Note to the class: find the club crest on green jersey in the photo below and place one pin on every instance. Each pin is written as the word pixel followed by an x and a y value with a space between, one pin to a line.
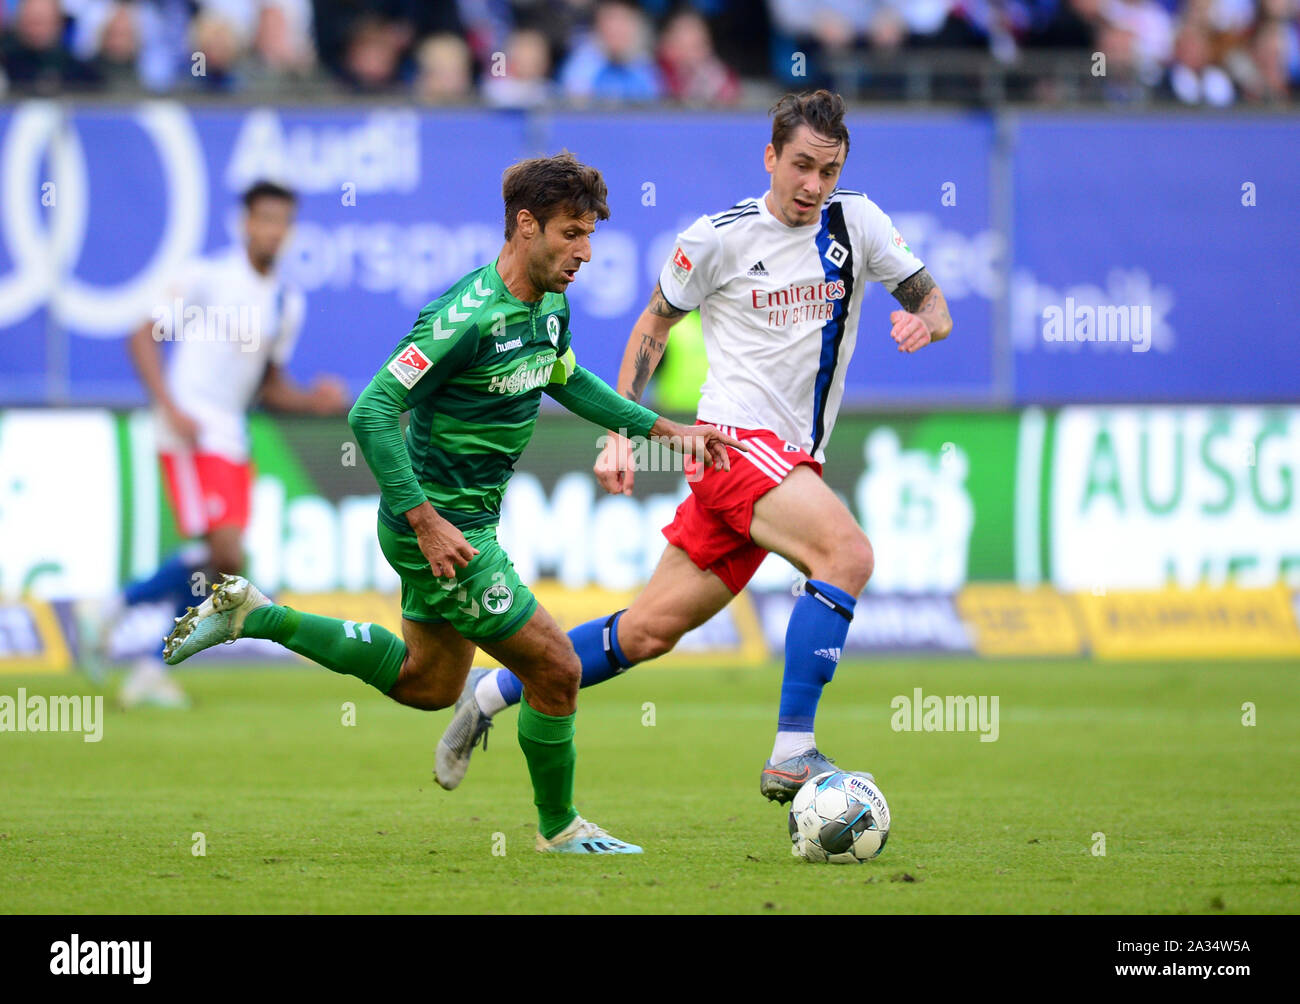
pixel 553 330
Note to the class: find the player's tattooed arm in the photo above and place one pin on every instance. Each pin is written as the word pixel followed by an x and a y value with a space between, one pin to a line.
pixel 645 349
pixel 661 307
pixel 648 354
pixel 921 297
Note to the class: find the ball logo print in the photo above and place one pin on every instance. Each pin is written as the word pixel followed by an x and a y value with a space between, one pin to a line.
pixel 839 817
pixel 45 249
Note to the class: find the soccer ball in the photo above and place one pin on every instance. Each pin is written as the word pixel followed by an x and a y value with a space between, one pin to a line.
pixel 840 817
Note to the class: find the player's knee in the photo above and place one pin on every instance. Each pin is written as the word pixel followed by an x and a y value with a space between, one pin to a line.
pixel 567 676
pixel 420 688
pixel 653 643
pixel 864 561
pixel 850 564
pixel 555 672
pixel 643 639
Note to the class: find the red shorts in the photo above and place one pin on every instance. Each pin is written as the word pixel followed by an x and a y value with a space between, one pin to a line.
pixel 207 491
pixel 712 525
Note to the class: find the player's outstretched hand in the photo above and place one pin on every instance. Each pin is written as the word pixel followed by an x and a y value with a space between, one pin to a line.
pixel 909 331
pixel 703 442
pixel 615 469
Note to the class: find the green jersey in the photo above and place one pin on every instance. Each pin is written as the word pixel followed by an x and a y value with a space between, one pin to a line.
pixel 472 372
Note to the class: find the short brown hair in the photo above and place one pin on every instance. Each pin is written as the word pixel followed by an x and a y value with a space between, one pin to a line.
pixel 267 190
pixel 547 185
pixel 821 111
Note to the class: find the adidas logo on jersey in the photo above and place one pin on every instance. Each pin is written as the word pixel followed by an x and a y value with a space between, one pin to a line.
pixel 833 654
pixel 757 269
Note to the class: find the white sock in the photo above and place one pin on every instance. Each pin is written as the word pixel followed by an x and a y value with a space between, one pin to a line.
pixel 147 666
pixel 488 694
pixel 790 744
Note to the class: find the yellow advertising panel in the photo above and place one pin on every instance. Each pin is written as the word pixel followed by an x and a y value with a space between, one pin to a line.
pixel 1007 620
pixel 1191 623
pixel 31 640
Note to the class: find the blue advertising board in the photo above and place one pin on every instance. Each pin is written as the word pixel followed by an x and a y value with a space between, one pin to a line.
pixel 1140 223
pixel 1190 226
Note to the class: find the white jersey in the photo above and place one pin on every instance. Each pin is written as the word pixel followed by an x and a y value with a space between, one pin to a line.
pixel 780 307
pixel 227 322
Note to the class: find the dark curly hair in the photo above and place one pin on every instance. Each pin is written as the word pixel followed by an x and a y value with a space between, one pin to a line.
pixel 547 185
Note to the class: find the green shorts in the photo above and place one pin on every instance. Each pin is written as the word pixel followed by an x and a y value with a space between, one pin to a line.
pixel 485 601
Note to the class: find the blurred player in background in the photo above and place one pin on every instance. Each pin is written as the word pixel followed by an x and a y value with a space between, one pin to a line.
pixel 472 371
pixel 234 322
pixel 779 281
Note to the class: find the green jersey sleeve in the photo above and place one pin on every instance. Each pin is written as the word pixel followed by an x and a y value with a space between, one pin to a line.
pixel 434 350
pixel 589 397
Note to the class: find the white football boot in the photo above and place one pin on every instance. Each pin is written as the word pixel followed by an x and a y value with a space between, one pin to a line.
pixel 468 727
pixel 582 837
pixel 220 618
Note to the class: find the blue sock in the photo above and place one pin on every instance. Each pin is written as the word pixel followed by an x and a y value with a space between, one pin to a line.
pixel 596 643
pixel 171 579
pixel 819 624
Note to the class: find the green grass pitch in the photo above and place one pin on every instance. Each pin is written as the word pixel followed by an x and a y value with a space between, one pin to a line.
pixel 300 813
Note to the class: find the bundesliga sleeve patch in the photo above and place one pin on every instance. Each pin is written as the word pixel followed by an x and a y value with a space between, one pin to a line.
pixel 681 266
pixel 899 242
pixel 410 366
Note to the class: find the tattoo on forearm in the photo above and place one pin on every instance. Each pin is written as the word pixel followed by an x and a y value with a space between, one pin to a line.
pixel 916 292
pixel 919 295
pixel 661 307
pixel 640 374
pixel 654 346
pixel 647 357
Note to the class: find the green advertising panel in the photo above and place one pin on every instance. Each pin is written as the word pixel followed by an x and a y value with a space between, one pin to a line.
pixel 1124 497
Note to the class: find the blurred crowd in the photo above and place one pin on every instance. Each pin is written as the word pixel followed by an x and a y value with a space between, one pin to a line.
pixel 526 53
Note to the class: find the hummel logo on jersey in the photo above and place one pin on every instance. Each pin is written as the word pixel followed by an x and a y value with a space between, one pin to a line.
pixel 757 269
pixel 514 343
pixel 833 654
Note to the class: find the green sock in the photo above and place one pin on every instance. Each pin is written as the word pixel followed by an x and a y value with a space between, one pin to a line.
pixel 547 742
pixel 372 654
